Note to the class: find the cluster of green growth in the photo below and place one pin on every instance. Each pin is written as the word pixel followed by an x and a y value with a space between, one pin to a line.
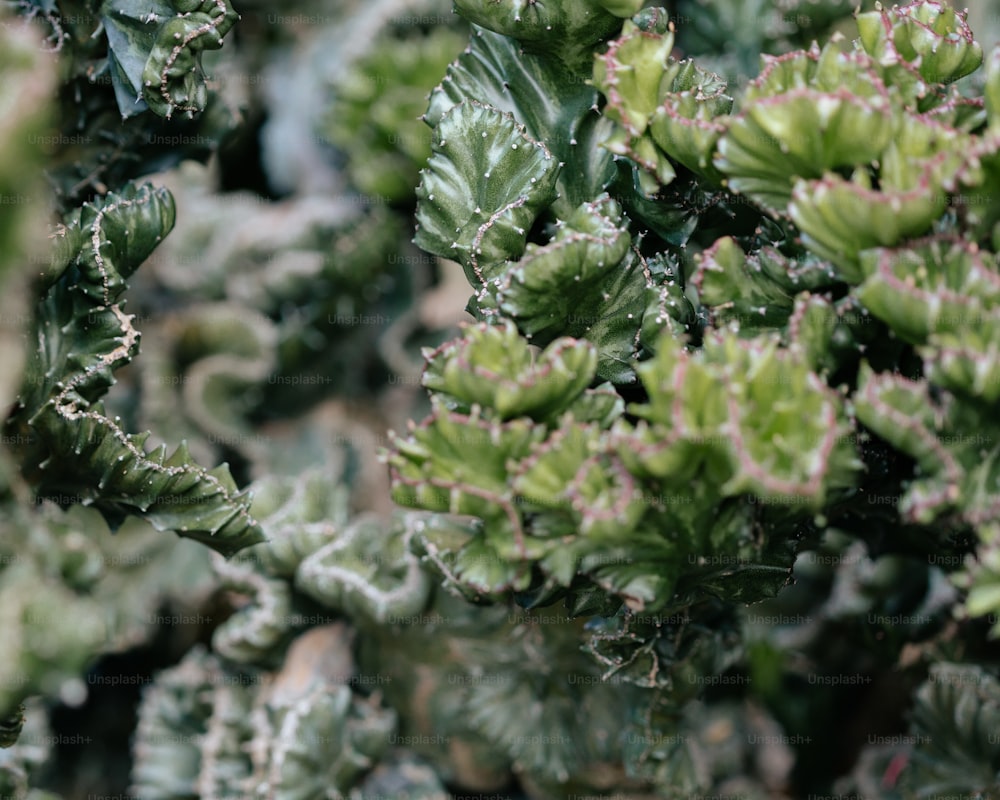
pixel 723 427
pixel 716 325
pixel 344 666
pixel 70 588
pixel 225 334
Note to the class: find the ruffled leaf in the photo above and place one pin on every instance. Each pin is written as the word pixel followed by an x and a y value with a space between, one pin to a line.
pixel 155 51
pixel 85 336
pixel 564 29
pixel 483 188
pixel 493 367
pixel 495 70
pixel 368 572
pixel 930 35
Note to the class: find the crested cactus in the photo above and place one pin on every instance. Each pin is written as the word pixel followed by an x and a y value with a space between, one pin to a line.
pixel 134 97
pixel 72 446
pixel 208 731
pixel 154 52
pixel 809 119
pixel 587 485
pixel 703 502
pixel 782 284
pixel 71 592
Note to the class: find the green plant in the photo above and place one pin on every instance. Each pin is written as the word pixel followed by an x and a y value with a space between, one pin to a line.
pixel 70 590
pixel 704 500
pixel 76 591
pixel 789 297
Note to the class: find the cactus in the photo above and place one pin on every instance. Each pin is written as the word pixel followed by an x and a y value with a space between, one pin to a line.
pixel 703 500
pixel 72 592
pixel 799 280
pixel 210 732
pixel 154 53
pixel 71 444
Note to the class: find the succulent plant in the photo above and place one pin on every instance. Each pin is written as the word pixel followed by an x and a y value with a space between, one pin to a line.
pixel 71 447
pixel 71 591
pixel 780 287
pixel 704 500
pixel 133 96
pixel 51 560
pixel 375 109
pixel 208 731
